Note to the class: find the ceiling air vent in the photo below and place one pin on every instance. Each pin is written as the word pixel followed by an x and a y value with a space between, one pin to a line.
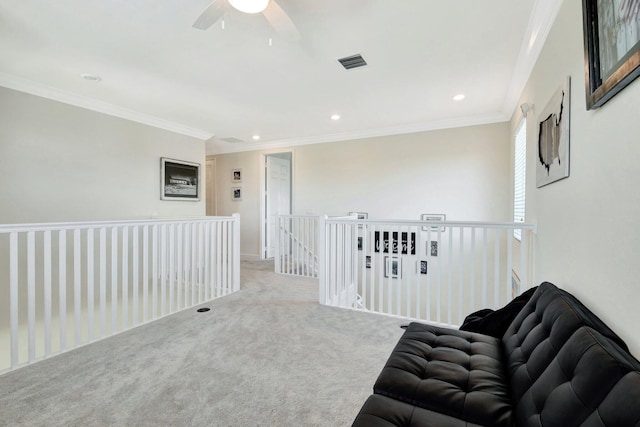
pixel 353 61
pixel 231 140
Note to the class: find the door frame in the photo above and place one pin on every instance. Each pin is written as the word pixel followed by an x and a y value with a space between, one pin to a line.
pixel 208 181
pixel 263 196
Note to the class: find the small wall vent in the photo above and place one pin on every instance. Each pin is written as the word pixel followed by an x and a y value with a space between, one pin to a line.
pixel 353 61
pixel 231 140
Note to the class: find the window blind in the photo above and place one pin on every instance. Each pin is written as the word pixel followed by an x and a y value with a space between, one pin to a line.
pixel 519 178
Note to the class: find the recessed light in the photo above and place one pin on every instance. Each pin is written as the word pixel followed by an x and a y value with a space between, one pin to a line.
pixel 90 77
pixel 458 97
pixel 256 137
pixel 335 117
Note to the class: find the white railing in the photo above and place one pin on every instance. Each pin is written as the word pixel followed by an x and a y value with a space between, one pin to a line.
pixel 68 284
pixel 431 271
pixel 296 245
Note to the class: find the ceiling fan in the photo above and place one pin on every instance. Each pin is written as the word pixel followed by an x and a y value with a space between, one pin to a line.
pixel 271 10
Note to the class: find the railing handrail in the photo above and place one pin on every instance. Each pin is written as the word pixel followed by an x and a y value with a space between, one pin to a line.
pixel 20 228
pixel 298 216
pixel 465 224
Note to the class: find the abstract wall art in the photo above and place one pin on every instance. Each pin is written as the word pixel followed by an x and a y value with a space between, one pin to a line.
pixel 552 163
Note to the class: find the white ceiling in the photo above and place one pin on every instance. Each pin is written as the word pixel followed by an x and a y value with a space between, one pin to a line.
pixel 222 83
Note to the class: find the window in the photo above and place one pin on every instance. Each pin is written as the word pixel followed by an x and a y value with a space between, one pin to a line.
pixel 519 177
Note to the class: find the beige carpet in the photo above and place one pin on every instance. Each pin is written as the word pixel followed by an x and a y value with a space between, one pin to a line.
pixel 268 355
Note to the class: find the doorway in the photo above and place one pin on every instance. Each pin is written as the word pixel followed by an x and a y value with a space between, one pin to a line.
pixel 211 201
pixel 277 197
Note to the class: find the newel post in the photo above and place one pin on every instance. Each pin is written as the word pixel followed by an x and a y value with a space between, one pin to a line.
pixel 236 251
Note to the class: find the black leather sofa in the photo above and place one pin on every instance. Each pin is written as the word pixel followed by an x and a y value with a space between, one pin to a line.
pixel 556 365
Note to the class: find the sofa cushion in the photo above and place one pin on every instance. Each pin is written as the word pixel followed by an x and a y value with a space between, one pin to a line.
pixel 381 411
pixel 456 373
pixel 591 382
pixel 540 330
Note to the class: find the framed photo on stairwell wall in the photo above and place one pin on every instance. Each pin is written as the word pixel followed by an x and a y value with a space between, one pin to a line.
pixel 236 194
pixel 236 176
pixel 393 267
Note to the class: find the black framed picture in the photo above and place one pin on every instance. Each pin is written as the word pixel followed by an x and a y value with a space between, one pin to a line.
pixel 179 180
pixel 611 47
pixel 422 267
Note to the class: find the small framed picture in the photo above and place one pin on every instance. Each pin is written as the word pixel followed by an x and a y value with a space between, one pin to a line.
pixel 422 267
pixel 432 248
pixel 360 215
pixel 236 194
pixel 236 175
pixel 367 261
pixel 393 267
pixel 360 243
pixel 433 217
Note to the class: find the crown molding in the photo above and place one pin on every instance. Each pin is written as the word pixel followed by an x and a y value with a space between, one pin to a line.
pixel 23 85
pixel 215 148
pixel 541 20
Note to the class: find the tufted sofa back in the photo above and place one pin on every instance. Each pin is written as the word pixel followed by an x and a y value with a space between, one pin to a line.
pixel 591 382
pixel 566 365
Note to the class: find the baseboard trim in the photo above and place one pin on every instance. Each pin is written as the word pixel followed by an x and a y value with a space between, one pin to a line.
pixel 250 257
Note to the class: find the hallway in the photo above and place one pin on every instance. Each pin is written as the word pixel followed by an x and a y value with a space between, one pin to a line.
pixel 268 355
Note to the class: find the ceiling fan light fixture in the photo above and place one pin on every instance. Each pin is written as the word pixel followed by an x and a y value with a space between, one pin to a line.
pixel 249 6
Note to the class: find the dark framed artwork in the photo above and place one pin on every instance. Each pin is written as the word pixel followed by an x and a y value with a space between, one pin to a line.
pixel 179 180
pixel 611 47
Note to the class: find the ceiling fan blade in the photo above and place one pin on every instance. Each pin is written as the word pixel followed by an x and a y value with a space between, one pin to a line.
pixel 280 21
pixel 210 15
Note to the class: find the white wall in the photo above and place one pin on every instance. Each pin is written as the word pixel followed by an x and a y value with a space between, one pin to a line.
pixel 588 235
pixel 63 163
pixel 461 172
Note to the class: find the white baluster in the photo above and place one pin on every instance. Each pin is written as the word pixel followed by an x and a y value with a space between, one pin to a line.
pixel 77 279
pixel 90 285
pixel 47 292
pixel 114 280
pixel 62 287
pixel 135 271
pixel 13 296
pixel 124 263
